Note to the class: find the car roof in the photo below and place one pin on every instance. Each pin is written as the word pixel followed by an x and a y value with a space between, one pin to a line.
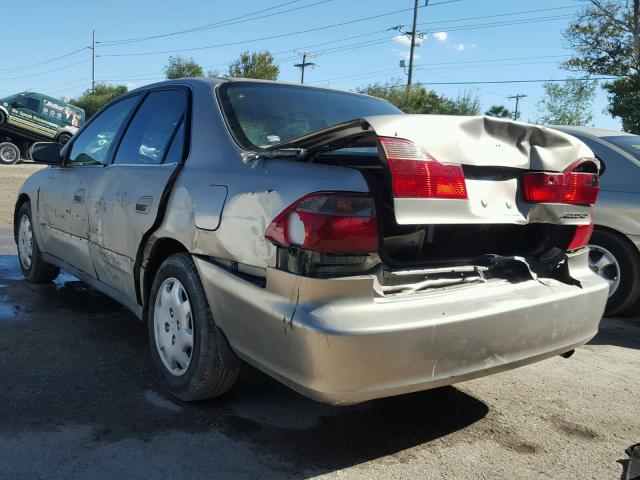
pixel 213 81
pixel 595 132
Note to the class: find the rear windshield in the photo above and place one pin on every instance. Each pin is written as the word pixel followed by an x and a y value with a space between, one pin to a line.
pixel 261 115
pixel 628 143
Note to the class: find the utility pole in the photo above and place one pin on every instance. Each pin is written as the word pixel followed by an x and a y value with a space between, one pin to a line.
pixel 414 36
pixel 93 60
pixel 413 42
pixel 517 99
pixel 303 65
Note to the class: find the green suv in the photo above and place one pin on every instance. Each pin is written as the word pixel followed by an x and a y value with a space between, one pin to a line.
pixel 29 117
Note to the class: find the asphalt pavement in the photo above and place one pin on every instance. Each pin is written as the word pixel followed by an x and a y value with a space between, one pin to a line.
pixel 79 399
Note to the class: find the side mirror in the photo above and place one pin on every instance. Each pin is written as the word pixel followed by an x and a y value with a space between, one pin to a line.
pixel 46 152
pixel 16 104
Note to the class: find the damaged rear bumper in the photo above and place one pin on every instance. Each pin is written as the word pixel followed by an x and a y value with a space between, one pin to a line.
pixel 337 342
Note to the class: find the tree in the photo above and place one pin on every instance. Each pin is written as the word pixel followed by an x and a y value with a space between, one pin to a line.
pixel 181 67
pixel 499 111
pixel 254 65
pixel 624 102
pixel 466 104
pixel 418 99
pixel 567 104
pixel 94 99
pixel 606 39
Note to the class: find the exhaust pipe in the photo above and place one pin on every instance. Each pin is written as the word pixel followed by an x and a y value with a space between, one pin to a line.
pixel 567 354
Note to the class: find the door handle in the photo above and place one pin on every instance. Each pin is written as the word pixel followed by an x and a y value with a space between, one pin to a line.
pixel 78 196
pixel 143 204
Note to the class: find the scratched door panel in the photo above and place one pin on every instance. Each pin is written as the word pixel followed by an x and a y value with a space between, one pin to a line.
pixel 128 195
pixel 64 215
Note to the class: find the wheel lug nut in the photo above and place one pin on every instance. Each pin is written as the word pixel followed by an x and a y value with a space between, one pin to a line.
pixel 173 340
pixel 166 327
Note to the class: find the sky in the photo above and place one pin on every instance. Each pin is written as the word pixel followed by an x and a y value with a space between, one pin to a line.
pixel 353 43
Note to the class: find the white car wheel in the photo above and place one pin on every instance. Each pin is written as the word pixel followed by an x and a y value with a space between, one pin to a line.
pixel 173 326
pixel 25 242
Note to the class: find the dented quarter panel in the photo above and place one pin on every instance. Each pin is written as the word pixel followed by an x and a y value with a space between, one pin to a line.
pixel 256 191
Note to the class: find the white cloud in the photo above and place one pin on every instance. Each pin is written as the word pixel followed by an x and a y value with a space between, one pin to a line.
pixel 441 36
pixel 460 47
pixel 402 40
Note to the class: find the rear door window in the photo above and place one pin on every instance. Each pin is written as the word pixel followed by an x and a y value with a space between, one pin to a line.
pixel 153 129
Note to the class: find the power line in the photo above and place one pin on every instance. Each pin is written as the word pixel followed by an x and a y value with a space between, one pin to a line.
pixel 521 12
pixel 155 15
pixel 271 37
pixel 461 64
pixel 64 67
pixel 508 23
pixel 430 23
pixel 42 62
pixel 222 23
pixel 356 76
pixel 487 82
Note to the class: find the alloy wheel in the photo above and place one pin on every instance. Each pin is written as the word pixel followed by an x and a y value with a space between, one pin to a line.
pixel 8 154
pixel 603 263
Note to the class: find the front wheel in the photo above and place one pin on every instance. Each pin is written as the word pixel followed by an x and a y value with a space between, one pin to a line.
pixel 33 267
pixel 182 334
pixel 9 153
pixel 614 258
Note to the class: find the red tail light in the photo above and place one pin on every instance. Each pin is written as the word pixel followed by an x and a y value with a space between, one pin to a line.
pixel 417 174
pixel 328 223
pixel 581 236
pixel 571 186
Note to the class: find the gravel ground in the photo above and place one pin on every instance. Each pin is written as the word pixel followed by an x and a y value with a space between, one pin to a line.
pixel 80 400
pixel 11 178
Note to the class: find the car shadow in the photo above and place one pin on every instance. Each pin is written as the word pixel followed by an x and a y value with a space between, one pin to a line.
pixel 71 357
pixel 622 330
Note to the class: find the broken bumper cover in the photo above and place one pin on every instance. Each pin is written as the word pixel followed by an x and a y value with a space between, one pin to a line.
pixel 333 341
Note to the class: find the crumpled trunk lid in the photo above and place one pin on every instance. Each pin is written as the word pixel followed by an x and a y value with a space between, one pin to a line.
pixel 493 152
pixel 484 141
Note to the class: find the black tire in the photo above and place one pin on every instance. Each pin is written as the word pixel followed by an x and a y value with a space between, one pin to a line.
pixel 64 138
pixel 37 270
pixel 3 117
pixel 627 257
pixel 205 376
pixel 9 153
